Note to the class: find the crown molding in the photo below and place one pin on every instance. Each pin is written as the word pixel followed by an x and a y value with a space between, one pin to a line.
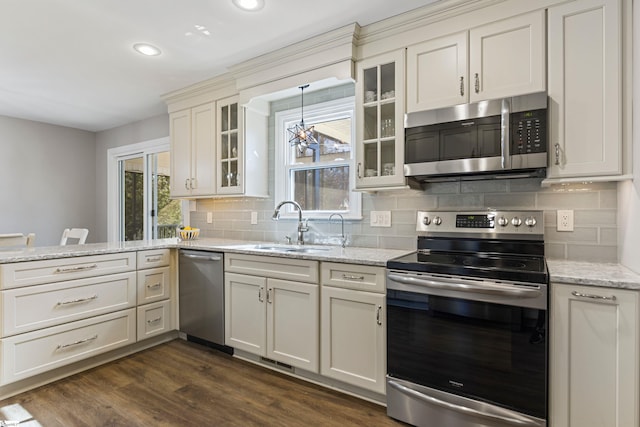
pixel 202 92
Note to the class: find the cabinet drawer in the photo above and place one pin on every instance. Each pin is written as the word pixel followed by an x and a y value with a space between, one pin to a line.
pixel 35 307
pixel 153 258
pixel 35 352
pixel 353 276
pixel 275 267
pixel 153 285
pixel 154 319
pixel 29 273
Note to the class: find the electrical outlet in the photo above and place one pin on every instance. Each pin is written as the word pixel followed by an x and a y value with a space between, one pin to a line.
pixel 565 220
pixel 209 217
pixel 380 219
pixel 254 218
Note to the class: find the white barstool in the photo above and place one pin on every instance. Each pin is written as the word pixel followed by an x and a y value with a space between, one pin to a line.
pixel 79 234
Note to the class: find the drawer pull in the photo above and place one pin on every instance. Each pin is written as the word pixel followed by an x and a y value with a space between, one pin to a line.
pixel 352 277
pixel 76 301
pixel 378 310
pixel 154 259
pixel 157 319
pixel 156 285
pixel 592 296
pixel 75 269
pixel 63 346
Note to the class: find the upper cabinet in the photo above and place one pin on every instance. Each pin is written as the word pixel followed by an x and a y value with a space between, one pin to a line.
pixel 379 121
pixel 585 95
pixel 209 146
pixel 501 59
pixel 193 151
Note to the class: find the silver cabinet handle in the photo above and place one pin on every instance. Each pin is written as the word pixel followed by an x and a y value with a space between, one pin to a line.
pixel 154 259
pixel 75 269
pixel 352 277
pixel 63 346
pixel 260 297
pixel 359 172
pixel 76 301
pixel 186 184
pixel 269 300
pixel 477 83
pixel 154 286
pixel 378 310
pixel 157 319
pixel 191 183
pixel 204 257
pixel 592 296
pixel 461 85
pixel 557 154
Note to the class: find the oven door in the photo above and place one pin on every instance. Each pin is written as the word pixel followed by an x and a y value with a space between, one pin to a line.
pixel 469 347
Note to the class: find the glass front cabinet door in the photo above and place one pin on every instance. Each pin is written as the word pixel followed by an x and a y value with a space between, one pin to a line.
pixel 380 122
pixel 230 147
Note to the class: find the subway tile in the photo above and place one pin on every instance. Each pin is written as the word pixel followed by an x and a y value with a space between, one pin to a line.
pixel 606 217
pixel 608 236
pixel 555 250
pixel 223 225
pixel 592 253
pixel 484 186
pixel 418 202
pixel 442 188
pixel 579 234
pixel 379 203
pixel 564 200
pixel 524 185
pixel 468 201
pixel 397 242
pixel 404 217
pixel 511 201
pixel 608 199
pixel 364 241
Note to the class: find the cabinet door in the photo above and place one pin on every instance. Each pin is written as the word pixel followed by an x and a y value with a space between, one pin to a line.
pixel 437 74
pixel 203 151
pixel 244 304
pixel 230 147
pixel 594 357
pixel 353 339
pixel 584 89
pixel 507 58
pixel 180 131
pixel 380 121
pixel 292 323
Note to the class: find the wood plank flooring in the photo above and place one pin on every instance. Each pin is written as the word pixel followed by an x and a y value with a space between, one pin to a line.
pixel 184 384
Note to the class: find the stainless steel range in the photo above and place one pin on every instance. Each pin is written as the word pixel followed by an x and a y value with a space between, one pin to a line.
pixel 467 322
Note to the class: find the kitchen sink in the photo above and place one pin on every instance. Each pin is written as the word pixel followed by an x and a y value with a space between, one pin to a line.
pixel 280 248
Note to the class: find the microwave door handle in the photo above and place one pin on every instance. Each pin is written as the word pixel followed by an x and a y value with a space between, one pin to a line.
pixel 505 133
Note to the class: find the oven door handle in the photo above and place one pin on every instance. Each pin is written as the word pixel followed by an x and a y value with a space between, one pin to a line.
pixel 460 285
pixel 520 421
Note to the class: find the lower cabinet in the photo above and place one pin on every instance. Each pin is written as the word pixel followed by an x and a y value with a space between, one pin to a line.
pixel 594 353
pixel 273 318
pixel 353 339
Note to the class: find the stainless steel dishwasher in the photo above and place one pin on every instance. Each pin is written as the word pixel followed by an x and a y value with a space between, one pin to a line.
pixel 201 298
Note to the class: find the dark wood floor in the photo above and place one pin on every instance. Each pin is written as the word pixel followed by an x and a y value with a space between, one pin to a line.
pixel 185 384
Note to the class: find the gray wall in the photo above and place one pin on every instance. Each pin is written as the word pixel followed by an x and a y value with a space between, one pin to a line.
pixel 594 205
pixel 47 180
pixel 132 133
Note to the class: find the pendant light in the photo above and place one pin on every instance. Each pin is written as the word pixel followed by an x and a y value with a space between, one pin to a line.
pixel 301 136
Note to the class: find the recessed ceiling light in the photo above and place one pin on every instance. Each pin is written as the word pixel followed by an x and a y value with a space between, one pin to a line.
pixel 147 49
pixel 251 5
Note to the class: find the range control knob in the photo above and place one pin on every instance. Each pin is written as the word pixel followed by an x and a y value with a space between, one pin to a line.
pixel 517 222
pixel 437 220
pixel 426 220
pixel 530 222
pixel 503 222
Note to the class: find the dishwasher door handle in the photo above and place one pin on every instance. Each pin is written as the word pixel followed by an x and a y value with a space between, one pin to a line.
pixel 203 257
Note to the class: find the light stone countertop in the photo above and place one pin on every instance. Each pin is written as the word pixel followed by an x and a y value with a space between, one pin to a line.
pixel 353 255
pixel 592 274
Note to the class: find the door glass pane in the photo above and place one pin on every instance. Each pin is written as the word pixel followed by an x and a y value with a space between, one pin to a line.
pixel 234 117
pixel 387 81
pixel 387 120
pixel 224 171
pixel 233 143
pixel 388 157
pixel 166 213
pixel 224 146
pixel 371 159
pixel 370 85
pixel 132 198
pixel 224 115
pixel 370 122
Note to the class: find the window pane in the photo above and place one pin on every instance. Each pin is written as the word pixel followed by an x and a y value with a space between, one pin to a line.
pixel 334 143
pixel 324 189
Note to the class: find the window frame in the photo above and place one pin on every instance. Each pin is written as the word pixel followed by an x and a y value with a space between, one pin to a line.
pixel 342 108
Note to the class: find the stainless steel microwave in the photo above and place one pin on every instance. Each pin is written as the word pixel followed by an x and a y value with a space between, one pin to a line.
pixel 504 138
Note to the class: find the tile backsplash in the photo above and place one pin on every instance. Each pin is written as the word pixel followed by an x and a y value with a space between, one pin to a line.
pixel 594 204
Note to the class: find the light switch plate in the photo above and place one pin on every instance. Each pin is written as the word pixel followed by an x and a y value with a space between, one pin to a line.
pixel 380 219
pixel 209 217
pixel 254 218
pixel 565 220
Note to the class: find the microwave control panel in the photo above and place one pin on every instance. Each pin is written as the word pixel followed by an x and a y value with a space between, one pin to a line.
pixel 529 132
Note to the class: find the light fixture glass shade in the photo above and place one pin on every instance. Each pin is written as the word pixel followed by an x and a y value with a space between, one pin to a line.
pixel 250 5
pixel 299 135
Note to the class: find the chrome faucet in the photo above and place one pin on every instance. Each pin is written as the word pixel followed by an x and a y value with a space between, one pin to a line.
pixel 302 227
pixel 343 239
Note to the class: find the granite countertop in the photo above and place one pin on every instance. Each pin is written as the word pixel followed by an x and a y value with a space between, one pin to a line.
pixel 592 274
pixel 353 255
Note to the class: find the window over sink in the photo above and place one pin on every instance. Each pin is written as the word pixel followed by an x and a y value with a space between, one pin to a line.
pixel 320 177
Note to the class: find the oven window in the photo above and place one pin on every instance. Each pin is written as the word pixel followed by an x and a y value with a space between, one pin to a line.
pixel 484 351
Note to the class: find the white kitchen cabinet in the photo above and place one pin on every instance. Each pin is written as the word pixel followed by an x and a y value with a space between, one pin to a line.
pixel 230 147
pixel 501 59
pixel 154 314
pixel 271 317
pixel 585 98
pixel 380 122
pixel 353 330
pixel 594 353
pixel 193 151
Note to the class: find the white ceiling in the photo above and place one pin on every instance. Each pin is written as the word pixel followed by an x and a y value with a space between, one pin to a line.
pixel 71 62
